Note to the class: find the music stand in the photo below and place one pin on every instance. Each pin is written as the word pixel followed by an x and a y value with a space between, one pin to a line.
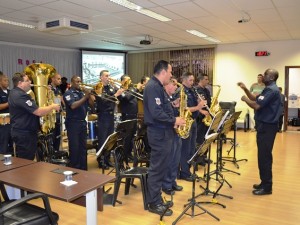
pixel 215 126
pixel 109 144
pixel 193 161
pixel 233 159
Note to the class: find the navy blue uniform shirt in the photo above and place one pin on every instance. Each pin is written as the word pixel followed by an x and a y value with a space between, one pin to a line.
pixel 71 96
pixel 270 105
pixel 205 94
pixel 128 103
pixel 192 100
pixel 4 99
pixel 104 105
pixel 158 111
pixel 21 108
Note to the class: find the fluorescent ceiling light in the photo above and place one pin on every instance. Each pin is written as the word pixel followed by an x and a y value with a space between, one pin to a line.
pixel 212 39
pixel 139 9
pixel 202 35
pixel 197 33
pixel 17 24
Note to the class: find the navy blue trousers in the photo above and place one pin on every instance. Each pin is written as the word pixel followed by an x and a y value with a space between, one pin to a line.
pixel 161 143
pixel 77 136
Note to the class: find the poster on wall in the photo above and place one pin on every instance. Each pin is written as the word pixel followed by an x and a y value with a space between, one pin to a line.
pixel 93 62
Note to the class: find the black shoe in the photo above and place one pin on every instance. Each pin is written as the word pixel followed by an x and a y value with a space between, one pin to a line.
pixel 189 179
pixel 177 188
pixel 160 209
pixel 169 191
pixel 256 186
pixel 168 204
pixel 261 192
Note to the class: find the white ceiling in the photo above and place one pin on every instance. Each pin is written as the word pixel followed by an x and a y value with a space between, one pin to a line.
pixel 270 20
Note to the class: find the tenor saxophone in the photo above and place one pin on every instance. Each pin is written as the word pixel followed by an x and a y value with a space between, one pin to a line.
pixel 184 131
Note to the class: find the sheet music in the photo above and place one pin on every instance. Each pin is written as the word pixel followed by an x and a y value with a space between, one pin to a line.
pixel 106 141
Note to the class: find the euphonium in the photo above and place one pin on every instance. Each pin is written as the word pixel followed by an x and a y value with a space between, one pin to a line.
pixel 214 107
pixel 184 131
pixel 39 73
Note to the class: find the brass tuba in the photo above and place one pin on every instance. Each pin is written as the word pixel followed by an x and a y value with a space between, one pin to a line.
pixel 184 131
pixel 39 73
pixel 214 108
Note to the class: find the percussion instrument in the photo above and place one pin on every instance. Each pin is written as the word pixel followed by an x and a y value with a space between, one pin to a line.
pixel 4 118
pixel 92 130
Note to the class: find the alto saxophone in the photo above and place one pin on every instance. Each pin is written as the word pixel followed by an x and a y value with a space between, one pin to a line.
pixel 184 131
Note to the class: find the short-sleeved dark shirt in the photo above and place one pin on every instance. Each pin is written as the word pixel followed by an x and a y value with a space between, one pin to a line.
pixel 70 96
pixel 158 111
pixel 104 105
pixel 192 100
pixel 270 105
pixel 4 99
pixel 21 108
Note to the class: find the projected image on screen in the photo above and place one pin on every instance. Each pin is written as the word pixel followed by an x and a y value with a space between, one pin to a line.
pixel 94 62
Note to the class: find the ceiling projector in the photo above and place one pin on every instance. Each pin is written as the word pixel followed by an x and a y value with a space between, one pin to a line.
pixel 145 42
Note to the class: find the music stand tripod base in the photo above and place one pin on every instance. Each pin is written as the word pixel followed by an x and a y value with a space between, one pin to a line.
pixel 192 202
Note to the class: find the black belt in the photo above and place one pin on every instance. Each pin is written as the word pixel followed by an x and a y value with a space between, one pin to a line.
pixel 108 112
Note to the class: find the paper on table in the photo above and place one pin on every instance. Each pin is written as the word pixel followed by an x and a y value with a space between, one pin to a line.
pixel 68 182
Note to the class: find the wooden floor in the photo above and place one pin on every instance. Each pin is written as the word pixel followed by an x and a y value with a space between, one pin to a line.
pixel 280 208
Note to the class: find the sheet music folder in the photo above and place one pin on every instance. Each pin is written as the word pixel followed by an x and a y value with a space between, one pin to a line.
pixel 109 143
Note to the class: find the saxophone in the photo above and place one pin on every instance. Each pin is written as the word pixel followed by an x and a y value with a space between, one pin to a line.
pixel 39 73
pixel 184 131
pixel 214 108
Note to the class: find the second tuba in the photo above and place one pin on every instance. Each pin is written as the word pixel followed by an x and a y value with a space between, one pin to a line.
pixel 40 73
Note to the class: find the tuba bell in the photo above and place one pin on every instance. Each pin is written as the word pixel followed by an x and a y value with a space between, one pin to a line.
pixel 40 73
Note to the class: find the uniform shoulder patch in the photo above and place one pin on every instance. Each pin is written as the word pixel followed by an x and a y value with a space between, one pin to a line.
pixel 68 97
pixel 29 103
pixel 157 100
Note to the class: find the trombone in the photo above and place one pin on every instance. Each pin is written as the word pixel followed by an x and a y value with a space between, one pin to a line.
pixel 126 85
pixel 97 90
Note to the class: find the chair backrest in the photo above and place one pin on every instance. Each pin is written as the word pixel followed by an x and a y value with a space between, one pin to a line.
pixel 121 163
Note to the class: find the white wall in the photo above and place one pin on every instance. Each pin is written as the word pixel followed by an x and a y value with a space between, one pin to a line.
pixel 237 62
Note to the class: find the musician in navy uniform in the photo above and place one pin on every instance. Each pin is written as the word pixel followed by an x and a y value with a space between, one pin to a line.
pixel 6 146
pixel 55 87
pixel 76 102
pixel 169 185
pixel 105 111
pixel 189 144
pixel 160 120
pixel 201 127
pixel 24 117
pixel 129 109
pixel 268 110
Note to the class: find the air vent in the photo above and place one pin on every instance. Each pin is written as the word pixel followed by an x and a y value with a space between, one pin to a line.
pixel 64 26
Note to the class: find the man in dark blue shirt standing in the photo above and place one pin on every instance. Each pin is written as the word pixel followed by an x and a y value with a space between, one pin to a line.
pixel 76 102
pixel 6 146
pixel 268 110
pixel 160 121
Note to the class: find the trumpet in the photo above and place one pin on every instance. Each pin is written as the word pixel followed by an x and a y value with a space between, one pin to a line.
pixel 97 90
pixel 127 85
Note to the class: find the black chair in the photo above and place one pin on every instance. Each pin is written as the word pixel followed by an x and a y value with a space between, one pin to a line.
pixel 19 212
pixel 123 170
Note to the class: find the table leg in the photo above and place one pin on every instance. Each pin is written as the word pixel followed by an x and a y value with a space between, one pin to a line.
pixel 91 207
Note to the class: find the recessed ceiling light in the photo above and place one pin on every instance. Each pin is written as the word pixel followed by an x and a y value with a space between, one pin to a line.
pixel 17 24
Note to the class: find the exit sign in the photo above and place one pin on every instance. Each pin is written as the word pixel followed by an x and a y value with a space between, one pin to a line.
pixel 262 53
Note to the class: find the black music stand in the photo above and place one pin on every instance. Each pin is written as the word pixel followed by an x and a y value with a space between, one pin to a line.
pixel 233 159
pixel 193 161
pixel 215 126
pixel 110 144
pixel 226 127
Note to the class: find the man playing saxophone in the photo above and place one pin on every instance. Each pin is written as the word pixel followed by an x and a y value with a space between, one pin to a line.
pixel 189 144
pixel 201 126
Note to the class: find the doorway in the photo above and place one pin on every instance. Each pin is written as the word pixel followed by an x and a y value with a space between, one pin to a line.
pixel 292 93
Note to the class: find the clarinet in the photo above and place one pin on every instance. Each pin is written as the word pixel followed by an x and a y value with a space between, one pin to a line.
pixel 201 99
